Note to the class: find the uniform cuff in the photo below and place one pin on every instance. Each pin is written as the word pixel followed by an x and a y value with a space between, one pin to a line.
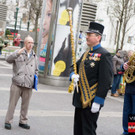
pixel 99 100
pixel 70 79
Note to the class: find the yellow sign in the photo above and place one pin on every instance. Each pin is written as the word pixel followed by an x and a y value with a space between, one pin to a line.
pixel 64 18
pixel 60 66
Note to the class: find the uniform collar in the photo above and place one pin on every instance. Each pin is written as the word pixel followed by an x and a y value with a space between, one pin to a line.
pixel 95 47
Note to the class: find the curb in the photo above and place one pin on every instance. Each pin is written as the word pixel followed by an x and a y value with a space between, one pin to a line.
pixel 2 58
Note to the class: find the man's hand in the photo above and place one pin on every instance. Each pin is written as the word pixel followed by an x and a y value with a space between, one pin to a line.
pixel 21 50
pixel 95 107
pixel 125 66
pixel 75 77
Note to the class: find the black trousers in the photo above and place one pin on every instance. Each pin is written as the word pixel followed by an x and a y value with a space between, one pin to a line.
pixel 85 122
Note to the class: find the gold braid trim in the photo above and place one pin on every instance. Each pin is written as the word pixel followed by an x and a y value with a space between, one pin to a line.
pixel 71 86
pixel 87 92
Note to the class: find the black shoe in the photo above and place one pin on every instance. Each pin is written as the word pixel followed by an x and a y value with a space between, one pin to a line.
pixel 25 126
pixel 7 126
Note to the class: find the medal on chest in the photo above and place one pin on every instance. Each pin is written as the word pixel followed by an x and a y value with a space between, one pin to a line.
pixel 94 56
pixel 92 64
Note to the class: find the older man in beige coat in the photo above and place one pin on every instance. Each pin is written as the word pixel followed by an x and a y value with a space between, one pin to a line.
pixel 24 68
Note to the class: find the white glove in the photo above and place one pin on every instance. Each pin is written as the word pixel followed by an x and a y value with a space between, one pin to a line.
pixel 95 107
pixel 75 77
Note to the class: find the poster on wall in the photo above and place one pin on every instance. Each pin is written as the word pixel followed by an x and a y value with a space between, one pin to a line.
pixel 62 53
pixel 45 34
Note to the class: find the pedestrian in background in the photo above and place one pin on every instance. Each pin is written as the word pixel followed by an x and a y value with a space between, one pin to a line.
pixel 1 42
pixel 121 88
pixel 17 40
pixel 130 53
pixel 1 45
pixel 129 98
pixel 94 74
pixel 24 68
pixel 117 62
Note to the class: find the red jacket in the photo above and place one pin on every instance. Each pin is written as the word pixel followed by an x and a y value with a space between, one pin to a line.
pixel 17 41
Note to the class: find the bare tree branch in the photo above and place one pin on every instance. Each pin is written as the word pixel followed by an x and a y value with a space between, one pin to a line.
pixel 122 11
pixel 34 13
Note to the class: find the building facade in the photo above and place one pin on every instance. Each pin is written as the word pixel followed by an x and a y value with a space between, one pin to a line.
pixel 105 15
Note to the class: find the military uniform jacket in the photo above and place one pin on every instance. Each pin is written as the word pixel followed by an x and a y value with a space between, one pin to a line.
pixel 99 69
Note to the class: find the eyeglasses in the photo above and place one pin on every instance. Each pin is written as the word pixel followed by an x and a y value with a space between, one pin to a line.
pixel 31 42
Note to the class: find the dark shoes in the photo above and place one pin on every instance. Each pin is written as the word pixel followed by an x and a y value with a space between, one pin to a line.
pixel 7 126
pixel 25 126
pixel 115 95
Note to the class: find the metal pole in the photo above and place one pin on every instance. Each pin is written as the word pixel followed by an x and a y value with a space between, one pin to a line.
pixel 16 20
pixel 28 24
pixel 79 22
pixel 20 23
pixel 53 29
pixel 41 28
pixel 54 16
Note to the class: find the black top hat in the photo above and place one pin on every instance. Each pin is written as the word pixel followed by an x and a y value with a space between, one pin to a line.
pixel 95 28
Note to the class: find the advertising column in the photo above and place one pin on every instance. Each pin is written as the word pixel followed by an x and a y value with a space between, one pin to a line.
pixel 62 55
pixel 45 34
pixel 55 56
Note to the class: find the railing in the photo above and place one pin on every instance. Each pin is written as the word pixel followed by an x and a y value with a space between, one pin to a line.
pixel 9 49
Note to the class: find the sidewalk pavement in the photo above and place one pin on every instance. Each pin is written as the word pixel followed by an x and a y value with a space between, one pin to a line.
pixel 2 57
pixel 51 111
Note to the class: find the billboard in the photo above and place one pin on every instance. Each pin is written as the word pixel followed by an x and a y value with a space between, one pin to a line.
pixel 62 53
pixel 45 34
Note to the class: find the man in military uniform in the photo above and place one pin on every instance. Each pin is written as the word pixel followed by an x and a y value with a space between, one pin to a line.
pixel 94 76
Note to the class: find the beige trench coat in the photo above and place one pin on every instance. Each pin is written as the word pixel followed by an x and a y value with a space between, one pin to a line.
pixel 24 68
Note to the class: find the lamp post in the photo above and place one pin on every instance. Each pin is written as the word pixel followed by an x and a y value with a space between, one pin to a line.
pixel 28 25
pixel 20 23
pixel 16 15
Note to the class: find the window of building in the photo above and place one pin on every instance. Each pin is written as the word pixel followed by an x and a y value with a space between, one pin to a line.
pixel 3 1
pixel 134 7
pixel 130 39
pixel 103 37
pixel 107 10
